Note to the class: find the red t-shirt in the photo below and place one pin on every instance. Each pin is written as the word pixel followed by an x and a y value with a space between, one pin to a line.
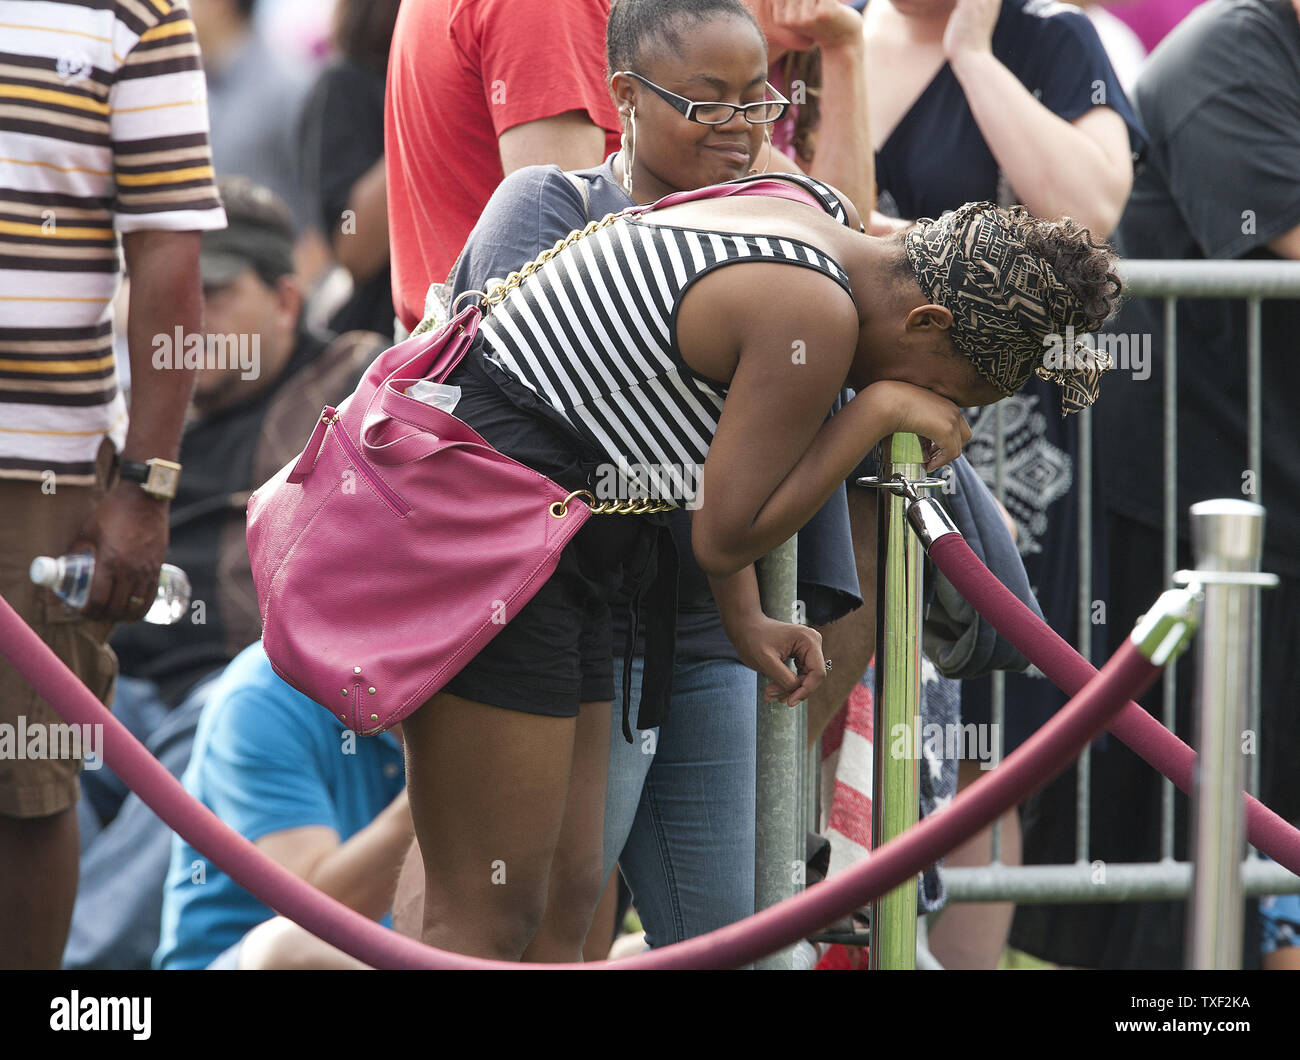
pixel 460 73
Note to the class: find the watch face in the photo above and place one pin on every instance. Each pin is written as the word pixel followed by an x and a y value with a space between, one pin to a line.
pixel 164 477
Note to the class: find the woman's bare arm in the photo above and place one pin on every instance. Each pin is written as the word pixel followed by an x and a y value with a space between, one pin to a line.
pixel 1082 168
pixel 764 643
pixel 843 157
pixel 775 458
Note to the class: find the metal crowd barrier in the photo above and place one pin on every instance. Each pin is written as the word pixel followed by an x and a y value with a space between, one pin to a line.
pixel 784 784
pixel 780 796
pixel 1167 879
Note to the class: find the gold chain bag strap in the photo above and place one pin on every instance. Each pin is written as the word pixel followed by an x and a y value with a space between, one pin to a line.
pixel 494 297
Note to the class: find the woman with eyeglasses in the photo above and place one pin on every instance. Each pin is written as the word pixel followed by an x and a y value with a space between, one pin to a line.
pixel 690 81
pixel 641 344
pixel 829 25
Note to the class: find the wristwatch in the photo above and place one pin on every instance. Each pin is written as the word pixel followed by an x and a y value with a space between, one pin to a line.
pixel 157 477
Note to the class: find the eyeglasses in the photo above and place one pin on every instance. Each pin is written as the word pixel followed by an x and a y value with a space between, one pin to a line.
pixel 763 112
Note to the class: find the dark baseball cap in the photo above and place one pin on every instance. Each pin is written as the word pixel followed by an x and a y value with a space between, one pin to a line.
pixel 259 235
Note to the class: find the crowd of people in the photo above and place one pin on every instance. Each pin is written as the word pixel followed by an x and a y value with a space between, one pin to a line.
pixel 925 195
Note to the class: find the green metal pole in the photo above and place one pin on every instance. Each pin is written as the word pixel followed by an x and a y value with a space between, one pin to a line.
pixel 779 838
pixel 895 798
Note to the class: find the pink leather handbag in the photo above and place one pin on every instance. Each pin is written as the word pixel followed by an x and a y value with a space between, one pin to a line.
pixel 398 543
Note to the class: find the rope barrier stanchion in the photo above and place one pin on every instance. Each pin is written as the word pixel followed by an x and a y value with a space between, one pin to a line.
pixel 895 783
pixel 895 779
pixel 1040 758
pixel 1070 672
pixel 1228 543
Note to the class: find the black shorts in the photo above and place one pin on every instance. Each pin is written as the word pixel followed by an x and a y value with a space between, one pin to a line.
pixel 557 651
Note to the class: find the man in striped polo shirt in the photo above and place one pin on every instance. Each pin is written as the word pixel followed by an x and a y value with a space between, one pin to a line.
pixel 103 133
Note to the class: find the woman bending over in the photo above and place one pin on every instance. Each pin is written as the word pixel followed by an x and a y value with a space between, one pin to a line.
pixel 645 344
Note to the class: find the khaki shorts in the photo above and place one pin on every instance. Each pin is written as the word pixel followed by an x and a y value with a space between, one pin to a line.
pixel 37 523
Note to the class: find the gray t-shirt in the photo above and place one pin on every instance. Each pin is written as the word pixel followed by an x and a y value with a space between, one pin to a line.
pixel 1220 100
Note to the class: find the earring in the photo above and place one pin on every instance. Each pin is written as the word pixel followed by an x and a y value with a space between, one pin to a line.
pixel 627 151
pixel 767 140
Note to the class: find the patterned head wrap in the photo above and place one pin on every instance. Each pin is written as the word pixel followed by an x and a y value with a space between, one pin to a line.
pixel 1009 307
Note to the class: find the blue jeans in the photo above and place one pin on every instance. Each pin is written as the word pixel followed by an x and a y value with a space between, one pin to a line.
pixel 137 705
pixel 679 806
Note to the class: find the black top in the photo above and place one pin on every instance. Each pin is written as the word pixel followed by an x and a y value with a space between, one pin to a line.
pixel 1220 99
pixel 343 136
pixel 936 158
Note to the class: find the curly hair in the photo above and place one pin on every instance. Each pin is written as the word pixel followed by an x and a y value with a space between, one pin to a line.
pixel 805 67
pixel 1087 267
pixel 1016 284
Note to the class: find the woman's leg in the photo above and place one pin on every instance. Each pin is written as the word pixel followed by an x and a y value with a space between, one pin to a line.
pixel 605 922
pixel 576 878
pixel 972 935
pixel 488 789
pixel 690 857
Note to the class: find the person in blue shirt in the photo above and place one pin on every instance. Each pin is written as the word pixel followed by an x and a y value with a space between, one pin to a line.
pixel 328 805
pixel 1279 918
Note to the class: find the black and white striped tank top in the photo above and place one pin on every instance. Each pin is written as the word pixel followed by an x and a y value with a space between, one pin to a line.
pixel 593 334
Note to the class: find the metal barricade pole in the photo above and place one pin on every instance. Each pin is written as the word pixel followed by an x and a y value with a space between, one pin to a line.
pixel 1255 462
pixel 895 795
pixel 779 837
pixel 1169 680
pixel 998 679
pixel 1227 542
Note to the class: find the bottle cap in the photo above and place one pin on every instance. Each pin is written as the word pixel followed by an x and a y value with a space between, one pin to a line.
pixel 45 571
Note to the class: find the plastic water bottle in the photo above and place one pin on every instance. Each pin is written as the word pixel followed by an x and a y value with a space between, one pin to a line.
pixel 69 577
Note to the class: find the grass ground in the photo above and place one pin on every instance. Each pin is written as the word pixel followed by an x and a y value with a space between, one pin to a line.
pixel 1014 960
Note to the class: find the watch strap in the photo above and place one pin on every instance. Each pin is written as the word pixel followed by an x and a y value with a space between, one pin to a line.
pixel 134 470
pixel 157 477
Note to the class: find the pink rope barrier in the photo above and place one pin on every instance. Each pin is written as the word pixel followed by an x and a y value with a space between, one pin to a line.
pixel 1034 763
pixel 1069 671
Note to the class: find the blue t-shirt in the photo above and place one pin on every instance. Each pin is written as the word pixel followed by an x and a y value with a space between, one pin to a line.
pixel 265 758
pixel 531 210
